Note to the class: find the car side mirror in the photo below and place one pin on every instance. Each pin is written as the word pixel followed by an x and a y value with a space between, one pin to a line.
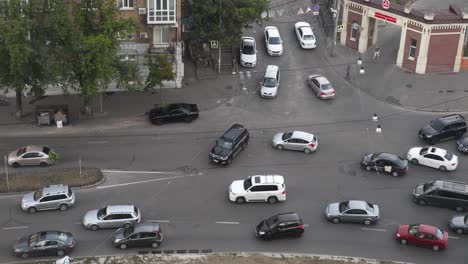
pixel 260 82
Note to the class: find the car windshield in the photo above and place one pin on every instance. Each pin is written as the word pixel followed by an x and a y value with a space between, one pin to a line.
pixel 247 183
pixel 448 156
pixel 269 82
pixel 287 135
pixel 369 207
pixel 33 239
pixel 275 40
pixel 326 86
pixel 399 162
pixel 272 220
pixel 21 151
pixel 439 234
pixel 37 195
pixel 248 49
pixel 423 151
pixel 128 230
pixel 309 37
pixel 343 206
pixel 101 213
pixel 437 125
pixel 224 144
pixel 61 236
pixel 428 186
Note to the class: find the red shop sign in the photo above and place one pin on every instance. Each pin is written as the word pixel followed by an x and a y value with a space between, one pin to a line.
pixel 385 4
pixel 385 17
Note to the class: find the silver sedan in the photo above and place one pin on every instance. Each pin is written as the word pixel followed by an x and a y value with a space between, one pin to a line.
pixel 321 86
pixel 353 212
pixel 295 140
pixel 30 155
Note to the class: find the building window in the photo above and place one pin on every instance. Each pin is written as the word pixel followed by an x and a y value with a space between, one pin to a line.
pixel 412 50
pixel 161 35
pixel 161 11
pixel 354 29
pixel 125 4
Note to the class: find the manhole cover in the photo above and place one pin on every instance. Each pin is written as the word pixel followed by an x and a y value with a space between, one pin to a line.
pixel 229 87
pixel 409 85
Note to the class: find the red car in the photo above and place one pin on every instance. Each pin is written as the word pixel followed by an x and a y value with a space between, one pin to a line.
pixel 422 235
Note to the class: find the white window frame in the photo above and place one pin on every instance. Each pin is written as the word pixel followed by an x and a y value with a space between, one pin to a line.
pixel 159 30
pixel 161 11
pixel 126 4
pixel 354 31
pixel 412 48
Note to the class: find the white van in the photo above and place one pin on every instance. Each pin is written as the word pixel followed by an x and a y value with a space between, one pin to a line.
pixel 271 82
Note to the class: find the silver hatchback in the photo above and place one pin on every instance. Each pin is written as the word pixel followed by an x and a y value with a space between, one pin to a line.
pixel 30 155
pixel 353 212
pixel 49 198
pixel 112 216
pixel 295 140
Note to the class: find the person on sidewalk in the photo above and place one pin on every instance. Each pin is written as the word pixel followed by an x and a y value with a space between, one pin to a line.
pixel 348 69
pixel 376 54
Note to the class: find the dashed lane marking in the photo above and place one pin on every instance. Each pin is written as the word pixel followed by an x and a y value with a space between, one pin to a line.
pixel 15 227
pixel 138 182
pixel 158 221
pixel 140 172
pixel 227 223
pixel 98 142
pixel 452 237
pixel 306 225
pixel 374 229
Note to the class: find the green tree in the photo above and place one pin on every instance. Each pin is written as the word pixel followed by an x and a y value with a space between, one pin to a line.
pixel 234 15
pixel 160 69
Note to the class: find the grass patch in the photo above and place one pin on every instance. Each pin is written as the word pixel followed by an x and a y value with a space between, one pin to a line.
pixel 34 179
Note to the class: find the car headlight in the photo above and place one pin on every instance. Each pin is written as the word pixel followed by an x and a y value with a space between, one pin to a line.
pixel 428 136
pixel 117 240
pixel 261 232
pixel 398 234
pixel 223 158
pixel 18 250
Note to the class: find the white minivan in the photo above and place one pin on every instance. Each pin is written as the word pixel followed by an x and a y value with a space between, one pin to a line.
pixel 271 82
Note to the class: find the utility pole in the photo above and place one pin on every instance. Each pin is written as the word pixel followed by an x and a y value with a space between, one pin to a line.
pixel 336 12
pixel 219 40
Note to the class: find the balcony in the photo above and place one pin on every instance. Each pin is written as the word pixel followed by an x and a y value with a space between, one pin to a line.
pixel 161 12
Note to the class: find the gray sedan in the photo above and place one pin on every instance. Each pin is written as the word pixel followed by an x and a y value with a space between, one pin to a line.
pixel 459 224
pixel 321 86
pixel 295 140
pixel 353 212
pixel 30 155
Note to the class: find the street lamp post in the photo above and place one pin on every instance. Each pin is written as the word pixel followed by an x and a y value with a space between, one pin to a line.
pixel 219 41
pixel 336 13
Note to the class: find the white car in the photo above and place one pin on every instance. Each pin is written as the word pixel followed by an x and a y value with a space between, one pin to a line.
pixel 248 52
pixel 295 140
pixel 305 35
pixel 258 188
pixel 273 41
pixel 433 157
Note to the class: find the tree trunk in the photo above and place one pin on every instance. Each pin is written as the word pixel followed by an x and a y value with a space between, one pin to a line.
pixel 87 108
pixel 19 104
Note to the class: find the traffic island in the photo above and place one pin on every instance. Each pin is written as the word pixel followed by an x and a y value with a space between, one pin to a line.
pixel 31 180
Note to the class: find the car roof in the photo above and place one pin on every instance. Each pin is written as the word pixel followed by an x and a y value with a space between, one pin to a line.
pixel 428 229
pixel 50 235
pixel 322 80
pixel 354 204
pixel 451 185
pixel 437 151
pixel 389 156
pixel 262 179
pixel 306 30
pixel 272 31
pixel 34 148
pixel 233 132
pixel 288 217
pixel 120 209
pixel 452 118
pixel 54 189
pixel 302 135
pixel 146 227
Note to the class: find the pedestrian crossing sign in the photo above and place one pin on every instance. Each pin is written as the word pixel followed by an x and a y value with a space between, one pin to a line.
pixel 339 28
pixel 214 44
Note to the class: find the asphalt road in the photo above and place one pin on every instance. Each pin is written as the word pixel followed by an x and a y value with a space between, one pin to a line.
pixel 189 196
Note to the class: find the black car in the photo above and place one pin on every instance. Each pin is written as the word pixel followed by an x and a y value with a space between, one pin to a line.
pixel 280 225
pixel 463 145
pixel 442 193
pixel 459 224
pixel 229 145
pixel 44 243
pixel 451 126
pixel 138 235
pixel 385 163
pixel 173 113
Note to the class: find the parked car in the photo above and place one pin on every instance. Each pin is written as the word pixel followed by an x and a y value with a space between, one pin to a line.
pixel 49 198
pixel 138 235
pixel 459 224
pixel 353 212
pixel 273 41
pixel 433 157
pixel 258 188
pixel 295 140
pixel 44 243
pixel 280 225
pixel 385 163
pixel 305 35
pixel 112 216
pixel 271 81
pixel 321 86
pixel 229 145
pixel 30 155
pixel 248 52
pixel 173 113
pixel 442 193
pixel 463 145
pixel 451 126
pixel 422 235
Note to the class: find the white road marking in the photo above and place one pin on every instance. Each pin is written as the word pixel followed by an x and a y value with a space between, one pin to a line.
pixel 78 223
pixel 140 172
pixel 374 229
pixel 241 76
pixel 306 225
pixel 158 221
pixel 98 142
pixel 249 75
pixel 15 227
pixel 227 223
pixel 138 182
pixel 452 237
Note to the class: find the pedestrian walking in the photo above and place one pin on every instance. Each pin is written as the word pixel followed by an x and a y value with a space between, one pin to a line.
pixel 348 69
pixel 376 54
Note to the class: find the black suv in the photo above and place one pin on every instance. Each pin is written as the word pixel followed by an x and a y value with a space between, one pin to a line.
pixel 229 145
pixel 280 225
pixel 442 193
pixel 451 126
pixel 138 235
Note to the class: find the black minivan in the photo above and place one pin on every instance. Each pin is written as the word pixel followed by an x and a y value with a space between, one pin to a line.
pixel 442 193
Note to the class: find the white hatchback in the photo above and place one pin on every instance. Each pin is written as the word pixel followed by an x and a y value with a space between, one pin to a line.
pixel 258 188
pixel 273 41
pixel 433 157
